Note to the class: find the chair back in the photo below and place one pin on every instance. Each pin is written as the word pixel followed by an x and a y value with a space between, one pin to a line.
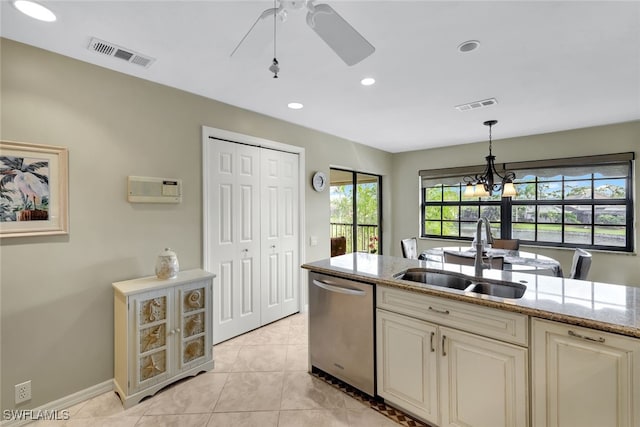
pixel 511 244
pixel 497 263
pixel 338 246
pixel 409 247
pixel 580 265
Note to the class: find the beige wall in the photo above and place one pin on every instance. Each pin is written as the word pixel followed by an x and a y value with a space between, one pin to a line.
pixel 57 302
pixel 618 138
pixel 56 296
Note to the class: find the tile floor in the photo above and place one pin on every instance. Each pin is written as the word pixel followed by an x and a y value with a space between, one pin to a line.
pixel 260 379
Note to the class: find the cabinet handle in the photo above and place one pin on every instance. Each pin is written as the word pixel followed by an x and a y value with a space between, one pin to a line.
pixel 439 311
pixel 433 334
pixel 272 246
pixel 584 337
pixel 245 250
pixel 444 350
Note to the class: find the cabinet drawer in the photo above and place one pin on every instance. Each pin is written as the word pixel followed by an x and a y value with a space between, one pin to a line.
pixel 488 322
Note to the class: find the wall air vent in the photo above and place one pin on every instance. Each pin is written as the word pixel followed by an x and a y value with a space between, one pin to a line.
pixel 105 48
pixel 477 104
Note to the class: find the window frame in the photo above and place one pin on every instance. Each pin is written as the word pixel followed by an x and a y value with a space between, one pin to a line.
pixel 507 204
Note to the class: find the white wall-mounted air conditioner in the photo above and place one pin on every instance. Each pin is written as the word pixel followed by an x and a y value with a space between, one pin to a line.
pixel 144 189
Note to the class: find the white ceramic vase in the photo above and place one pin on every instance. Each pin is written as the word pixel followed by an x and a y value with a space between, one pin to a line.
pixel 167 266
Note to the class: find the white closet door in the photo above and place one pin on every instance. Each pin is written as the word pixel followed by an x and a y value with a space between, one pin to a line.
pixel 280 260
pixel 234 237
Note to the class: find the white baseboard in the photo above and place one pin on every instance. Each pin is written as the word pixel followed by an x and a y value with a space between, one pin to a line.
pixel 64 402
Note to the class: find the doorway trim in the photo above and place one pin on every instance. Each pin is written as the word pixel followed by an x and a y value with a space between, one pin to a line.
pixel 209 134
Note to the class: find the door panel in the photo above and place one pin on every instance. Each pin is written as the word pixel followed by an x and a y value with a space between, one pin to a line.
pixel 225 284
pixel 484 381
pixel 279 235
pixel 252 245
pixel 408 363
pixel 584 377
pixel 247 279
pixel 234 183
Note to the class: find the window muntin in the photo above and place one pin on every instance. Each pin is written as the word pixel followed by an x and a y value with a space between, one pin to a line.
pixel 447 214
pixel 587 206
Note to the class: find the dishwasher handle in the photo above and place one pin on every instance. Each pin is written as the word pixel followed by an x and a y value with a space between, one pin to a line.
pixel 338 288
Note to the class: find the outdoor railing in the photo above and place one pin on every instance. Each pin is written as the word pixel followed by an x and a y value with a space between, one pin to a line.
pixel 366 234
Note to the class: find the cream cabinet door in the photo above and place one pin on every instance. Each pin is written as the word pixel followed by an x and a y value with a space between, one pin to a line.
pixel 407 364
pixel 483 381
pixel 582 377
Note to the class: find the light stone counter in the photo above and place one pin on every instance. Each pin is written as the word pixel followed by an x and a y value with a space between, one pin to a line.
pixel 602 306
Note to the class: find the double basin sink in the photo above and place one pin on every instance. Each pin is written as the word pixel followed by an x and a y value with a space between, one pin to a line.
pixel 463 283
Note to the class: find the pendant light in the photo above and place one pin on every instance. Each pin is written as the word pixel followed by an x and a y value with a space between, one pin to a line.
pixel 483 185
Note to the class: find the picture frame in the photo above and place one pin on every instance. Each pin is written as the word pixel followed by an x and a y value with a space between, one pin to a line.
pixel 33 189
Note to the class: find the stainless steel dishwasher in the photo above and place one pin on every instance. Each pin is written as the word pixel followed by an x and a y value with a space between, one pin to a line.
pixel 341 329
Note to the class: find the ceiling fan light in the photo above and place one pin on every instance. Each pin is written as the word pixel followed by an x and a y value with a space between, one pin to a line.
pixel 35 10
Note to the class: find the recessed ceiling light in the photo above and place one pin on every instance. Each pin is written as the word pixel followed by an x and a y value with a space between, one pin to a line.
pixel 295 105
pixel 34 10
pixel 367 81
pixel 468 46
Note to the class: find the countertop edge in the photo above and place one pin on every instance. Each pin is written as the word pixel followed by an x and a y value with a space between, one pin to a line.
pixel 491 302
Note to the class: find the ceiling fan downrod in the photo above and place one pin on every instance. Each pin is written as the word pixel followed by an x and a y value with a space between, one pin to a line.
pixel 274 68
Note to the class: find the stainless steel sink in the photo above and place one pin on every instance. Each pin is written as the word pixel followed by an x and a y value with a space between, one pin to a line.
pixel 502 290
pixel 463 283
pixel 435 278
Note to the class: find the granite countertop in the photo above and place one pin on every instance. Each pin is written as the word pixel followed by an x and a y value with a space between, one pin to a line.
pixel 603 306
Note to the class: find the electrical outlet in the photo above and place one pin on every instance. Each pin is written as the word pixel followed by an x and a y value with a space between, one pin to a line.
pixel 23 391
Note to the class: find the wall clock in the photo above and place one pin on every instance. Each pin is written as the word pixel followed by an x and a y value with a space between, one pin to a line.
pixel 319 181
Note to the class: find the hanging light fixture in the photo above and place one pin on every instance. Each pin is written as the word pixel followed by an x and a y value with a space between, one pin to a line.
pixel 483 185
pixel 275 66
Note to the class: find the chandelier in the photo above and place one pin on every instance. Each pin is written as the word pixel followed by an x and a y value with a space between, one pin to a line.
pixel 483 185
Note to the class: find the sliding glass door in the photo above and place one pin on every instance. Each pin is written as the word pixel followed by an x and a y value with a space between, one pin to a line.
pixel 355 210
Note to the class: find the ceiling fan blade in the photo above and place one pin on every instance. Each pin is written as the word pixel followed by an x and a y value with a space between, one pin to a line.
pixel 263 15
pixel 345 41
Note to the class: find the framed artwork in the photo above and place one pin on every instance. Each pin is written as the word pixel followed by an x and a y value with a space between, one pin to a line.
pixel 33 189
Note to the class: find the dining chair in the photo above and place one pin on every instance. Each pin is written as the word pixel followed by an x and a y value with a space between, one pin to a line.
pixel 338 246
pixel 580 265
pixel 409 247
pixel 511 244
pixel 497 262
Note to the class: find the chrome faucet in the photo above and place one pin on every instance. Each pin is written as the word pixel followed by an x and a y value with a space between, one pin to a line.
pixel 478 264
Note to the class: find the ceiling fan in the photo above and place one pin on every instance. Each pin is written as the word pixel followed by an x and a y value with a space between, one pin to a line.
pixel 337 33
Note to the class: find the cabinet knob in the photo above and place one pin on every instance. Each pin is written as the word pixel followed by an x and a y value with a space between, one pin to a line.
pixel 178 330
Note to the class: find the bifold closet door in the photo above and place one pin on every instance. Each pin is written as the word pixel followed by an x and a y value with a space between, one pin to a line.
pixel 280 237
pixel 234 237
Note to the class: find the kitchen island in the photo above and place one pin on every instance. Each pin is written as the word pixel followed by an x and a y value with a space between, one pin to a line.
pixel 567 352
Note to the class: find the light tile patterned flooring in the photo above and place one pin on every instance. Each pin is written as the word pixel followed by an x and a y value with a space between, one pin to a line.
pixel 260 379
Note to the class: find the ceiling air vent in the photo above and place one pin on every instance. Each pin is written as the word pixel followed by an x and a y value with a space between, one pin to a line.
pixel 477 104
pixel 105 48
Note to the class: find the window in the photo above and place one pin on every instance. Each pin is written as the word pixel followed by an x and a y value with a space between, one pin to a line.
pixel 579 202
pixel 356 209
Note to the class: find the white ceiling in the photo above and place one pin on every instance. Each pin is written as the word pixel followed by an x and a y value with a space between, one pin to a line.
pixel 551 65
